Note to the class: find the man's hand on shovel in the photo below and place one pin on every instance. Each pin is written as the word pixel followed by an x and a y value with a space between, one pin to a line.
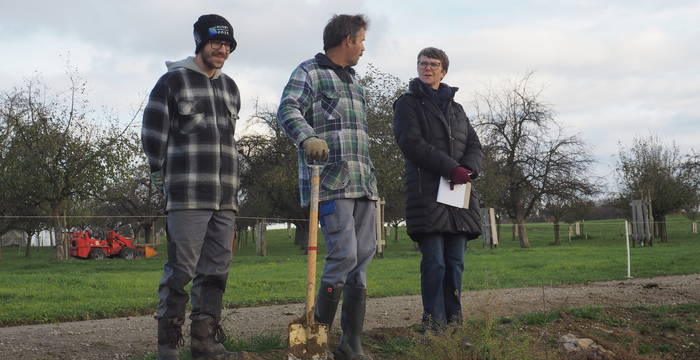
pixel 315 148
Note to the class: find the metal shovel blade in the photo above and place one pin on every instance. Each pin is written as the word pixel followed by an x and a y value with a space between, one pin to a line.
pixel 307 342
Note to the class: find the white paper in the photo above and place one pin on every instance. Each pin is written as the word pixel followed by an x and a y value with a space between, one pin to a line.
pixel 458 197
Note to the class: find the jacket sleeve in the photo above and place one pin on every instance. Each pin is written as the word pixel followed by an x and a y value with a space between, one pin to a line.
pixel 297 99
pixel 472 153
pixel 155 128
pixel 414 146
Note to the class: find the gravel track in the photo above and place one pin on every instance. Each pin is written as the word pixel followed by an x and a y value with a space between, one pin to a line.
pixel 125 338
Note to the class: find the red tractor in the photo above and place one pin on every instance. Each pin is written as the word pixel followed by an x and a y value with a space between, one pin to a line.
pixel 83 245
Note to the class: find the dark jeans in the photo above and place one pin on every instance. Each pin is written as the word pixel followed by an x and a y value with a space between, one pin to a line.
pixel 441 270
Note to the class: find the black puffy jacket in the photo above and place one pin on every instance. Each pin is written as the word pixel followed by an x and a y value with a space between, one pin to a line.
pixel 433 143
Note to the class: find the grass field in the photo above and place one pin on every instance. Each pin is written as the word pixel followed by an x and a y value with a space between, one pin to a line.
pixel 39 290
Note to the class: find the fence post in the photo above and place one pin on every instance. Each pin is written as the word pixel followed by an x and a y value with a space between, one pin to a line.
pixel 260 243
pixel 627 239
pixel 494 228
pixel 379 228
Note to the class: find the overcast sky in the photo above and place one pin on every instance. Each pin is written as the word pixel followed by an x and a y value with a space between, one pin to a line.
pixel 610 69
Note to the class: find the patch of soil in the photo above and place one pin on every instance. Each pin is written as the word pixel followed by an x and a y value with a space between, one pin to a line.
pixel 124 338
pixel 630 333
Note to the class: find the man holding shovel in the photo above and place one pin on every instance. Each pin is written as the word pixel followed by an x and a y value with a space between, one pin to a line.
pixel 323 111
pixel 187 135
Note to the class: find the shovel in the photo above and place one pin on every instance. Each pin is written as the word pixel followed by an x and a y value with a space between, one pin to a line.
pixel 307 339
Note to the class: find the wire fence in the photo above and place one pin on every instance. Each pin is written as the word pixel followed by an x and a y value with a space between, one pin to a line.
pixel 136 226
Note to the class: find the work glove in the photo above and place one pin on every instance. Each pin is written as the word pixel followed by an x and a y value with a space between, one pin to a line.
pixel 157 180
pixel 315 148
pixel 459 175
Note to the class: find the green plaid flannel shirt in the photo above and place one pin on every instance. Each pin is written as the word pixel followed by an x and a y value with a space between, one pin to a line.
pixel 317 103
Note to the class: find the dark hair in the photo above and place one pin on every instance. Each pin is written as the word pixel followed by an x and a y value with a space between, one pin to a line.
pixel 341 26
pixel 435 53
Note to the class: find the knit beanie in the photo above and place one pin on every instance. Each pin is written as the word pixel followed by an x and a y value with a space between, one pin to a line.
pixel 212 27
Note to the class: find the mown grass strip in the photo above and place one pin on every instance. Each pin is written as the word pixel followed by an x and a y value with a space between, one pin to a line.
pixel 39 290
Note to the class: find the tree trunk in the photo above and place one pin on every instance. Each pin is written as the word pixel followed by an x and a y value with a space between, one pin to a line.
pixel 522 233
pixel 301 237
pixel 557 238
pixel 147 232
pixel 60 254
pixel 28 248
pixel 663 234
pixel 396 232
pixel 260 241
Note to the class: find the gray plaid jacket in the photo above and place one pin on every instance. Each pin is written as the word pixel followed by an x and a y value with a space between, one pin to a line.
pixel 317 103
pixel 187 134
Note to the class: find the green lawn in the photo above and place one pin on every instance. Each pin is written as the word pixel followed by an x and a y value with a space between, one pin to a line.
pixel 38 290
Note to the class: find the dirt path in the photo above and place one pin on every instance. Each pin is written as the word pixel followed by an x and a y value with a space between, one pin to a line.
pixel 124 338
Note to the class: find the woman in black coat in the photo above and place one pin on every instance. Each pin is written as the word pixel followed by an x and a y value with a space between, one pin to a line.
pixel 437 140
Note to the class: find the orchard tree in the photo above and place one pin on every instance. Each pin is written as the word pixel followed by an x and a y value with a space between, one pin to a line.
pixel 269 176
pixel 131 193
pixel 650 169
pixel 381 91
pixel 58 147
pixel 529 154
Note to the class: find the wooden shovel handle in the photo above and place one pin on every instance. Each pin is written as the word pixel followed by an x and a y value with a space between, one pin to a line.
pixel 312 243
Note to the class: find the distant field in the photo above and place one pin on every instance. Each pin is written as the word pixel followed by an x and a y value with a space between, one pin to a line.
pixel 39 290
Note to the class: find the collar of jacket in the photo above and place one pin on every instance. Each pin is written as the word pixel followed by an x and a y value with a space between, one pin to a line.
pixel 344 73
pixel 188 63
pixel 415 87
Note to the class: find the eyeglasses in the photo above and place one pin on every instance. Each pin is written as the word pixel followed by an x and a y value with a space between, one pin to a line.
pixel 217 44
pixel 430 64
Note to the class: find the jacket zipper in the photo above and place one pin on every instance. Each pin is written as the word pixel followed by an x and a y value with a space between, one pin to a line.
pixel 420 181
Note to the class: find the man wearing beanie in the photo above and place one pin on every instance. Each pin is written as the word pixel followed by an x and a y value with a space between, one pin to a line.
pixel 323 111
pixel 187 135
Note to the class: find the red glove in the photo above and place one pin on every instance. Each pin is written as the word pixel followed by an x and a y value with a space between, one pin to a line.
pixel 460 175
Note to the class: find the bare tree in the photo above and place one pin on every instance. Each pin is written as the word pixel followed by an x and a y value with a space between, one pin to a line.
pixel 529 154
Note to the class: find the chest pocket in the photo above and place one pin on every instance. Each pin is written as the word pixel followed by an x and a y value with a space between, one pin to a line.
pixel 190 116
pixel 330 100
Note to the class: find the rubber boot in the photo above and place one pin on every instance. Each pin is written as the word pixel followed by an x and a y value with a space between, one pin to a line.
pixel 169 338
pixel 326 306
pixel 352 319
pixel 207 338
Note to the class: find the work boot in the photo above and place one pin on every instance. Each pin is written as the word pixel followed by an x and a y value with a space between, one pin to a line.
pixel 169 338
pixel 352 319
pixel 207 338
pixel 326 306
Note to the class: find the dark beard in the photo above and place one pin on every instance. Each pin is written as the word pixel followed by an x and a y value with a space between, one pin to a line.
pixel 208 63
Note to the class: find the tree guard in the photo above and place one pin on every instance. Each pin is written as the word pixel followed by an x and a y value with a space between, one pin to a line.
pixel 488 225
pixel 642 219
